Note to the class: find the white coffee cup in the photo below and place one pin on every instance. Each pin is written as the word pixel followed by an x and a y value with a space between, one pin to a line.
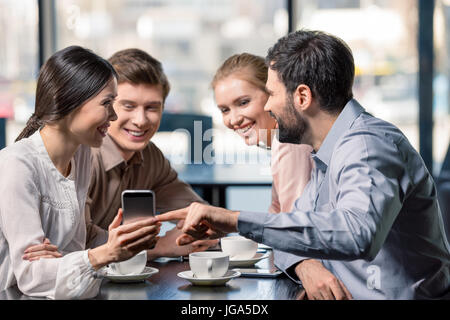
pixel 208 264
pixel 132 266
pixel 239 248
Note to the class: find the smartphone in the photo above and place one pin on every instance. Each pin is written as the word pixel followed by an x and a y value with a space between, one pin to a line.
pixel 137 204
pixel 258 273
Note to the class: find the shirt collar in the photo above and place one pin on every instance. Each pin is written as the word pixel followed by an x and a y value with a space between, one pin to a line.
pixel 112 158
pixel 351 111
pixel 39 143
pixel 42 151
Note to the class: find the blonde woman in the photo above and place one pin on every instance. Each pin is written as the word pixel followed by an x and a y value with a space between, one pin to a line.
pixel 240 94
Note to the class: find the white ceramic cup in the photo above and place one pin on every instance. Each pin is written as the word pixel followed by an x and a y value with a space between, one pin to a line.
pixel 132 266
pixel 208 264
pixel 238 247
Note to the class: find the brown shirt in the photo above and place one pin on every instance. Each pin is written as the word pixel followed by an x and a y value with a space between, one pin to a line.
pixel 111 174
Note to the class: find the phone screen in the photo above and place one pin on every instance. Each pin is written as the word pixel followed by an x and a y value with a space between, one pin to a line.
pixel 137 204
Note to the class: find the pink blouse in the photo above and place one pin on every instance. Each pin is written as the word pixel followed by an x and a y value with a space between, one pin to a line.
pixel 291 170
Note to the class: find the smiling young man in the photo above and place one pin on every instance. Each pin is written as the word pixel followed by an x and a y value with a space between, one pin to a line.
pixel 129 160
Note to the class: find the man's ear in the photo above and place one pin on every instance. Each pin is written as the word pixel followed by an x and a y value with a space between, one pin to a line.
pixel 302 97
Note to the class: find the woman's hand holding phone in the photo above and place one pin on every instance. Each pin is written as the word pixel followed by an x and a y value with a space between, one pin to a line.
pixel 125 241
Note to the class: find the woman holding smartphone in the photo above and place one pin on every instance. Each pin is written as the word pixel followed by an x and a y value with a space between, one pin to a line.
pixel 240 94
pixel 45 179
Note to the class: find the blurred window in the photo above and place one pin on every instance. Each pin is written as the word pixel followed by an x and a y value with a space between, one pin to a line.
pixel 338 4
pixel 383 38
pixel 190 37
pixel 193 37
pixel 386 59
pixel 18 63
pixel 441 92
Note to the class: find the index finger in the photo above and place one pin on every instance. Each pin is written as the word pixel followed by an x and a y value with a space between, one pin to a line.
pixel 173 215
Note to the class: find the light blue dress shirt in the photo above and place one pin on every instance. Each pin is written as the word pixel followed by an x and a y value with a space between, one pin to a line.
pixel 369 213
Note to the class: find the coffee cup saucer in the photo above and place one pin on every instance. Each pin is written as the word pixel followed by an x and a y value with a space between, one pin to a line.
pixel 120 278
pixel 248 262
pixel 219 281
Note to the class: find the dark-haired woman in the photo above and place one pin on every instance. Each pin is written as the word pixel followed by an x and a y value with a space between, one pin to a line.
pixel 45 178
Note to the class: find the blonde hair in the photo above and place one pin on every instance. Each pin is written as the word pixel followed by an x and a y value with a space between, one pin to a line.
pixel 247 66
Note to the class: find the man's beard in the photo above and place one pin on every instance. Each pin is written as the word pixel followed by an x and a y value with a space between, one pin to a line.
pixel 291 125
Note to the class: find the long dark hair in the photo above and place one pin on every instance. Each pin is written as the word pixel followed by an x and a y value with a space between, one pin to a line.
pixel 69 78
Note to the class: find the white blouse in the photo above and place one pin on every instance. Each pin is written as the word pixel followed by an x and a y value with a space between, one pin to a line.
pixel 37 202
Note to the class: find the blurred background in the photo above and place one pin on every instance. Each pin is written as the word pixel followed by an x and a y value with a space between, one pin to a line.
pixel 401 50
